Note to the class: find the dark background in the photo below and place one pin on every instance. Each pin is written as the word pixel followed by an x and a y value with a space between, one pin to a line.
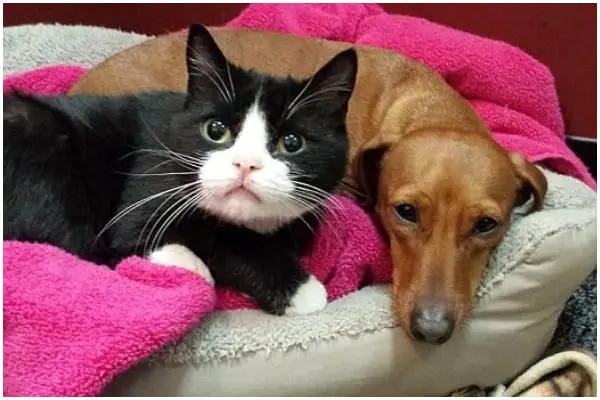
pixel 562 36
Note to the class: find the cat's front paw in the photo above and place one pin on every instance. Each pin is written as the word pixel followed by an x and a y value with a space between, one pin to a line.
pixel 177 255
pixel 310 297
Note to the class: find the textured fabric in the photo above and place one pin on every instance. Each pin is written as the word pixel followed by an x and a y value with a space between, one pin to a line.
pixel 577 327
pixel 70 326
pixel 566 374
pixel 50 80
pixel 569 373
pixel 247 336
pixel 513 93
pixel 52 44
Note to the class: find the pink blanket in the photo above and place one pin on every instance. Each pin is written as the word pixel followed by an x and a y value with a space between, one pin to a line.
pixel 511 91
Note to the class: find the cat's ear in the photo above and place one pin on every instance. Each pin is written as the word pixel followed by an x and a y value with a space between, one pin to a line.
pixel 334 82
pixel 208 69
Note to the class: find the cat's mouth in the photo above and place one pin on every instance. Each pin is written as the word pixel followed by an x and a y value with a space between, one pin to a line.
pixel 242 190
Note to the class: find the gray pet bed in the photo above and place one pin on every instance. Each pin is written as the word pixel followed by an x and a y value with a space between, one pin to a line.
pixel 354 347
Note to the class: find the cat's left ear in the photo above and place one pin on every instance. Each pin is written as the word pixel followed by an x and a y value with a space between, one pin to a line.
pixel 207 67
pixel 334 82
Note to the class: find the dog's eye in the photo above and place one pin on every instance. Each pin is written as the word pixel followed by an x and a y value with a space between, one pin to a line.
pixel 485 225
pixel 216 131
pixel 407 213
pixel 290 143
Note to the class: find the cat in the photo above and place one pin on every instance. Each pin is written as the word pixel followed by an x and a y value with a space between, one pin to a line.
pixel 227 179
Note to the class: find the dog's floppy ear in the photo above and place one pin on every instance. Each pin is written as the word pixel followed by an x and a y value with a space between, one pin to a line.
pixel 367 164
pixel 532 182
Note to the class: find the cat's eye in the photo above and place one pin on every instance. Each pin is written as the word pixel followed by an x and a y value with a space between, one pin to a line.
pixel 216 131
pixel 485 226
pixel 407 213
pixel 291 143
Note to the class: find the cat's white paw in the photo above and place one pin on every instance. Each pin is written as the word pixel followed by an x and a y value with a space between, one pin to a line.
pixel 310 297
pixel 177 255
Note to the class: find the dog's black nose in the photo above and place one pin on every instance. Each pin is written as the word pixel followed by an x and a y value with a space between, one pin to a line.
pixel 431 324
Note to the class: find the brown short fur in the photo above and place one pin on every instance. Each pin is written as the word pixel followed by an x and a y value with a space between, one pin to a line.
pixel 413 140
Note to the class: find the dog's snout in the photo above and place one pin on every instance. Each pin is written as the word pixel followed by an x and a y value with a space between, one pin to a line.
pixel 432 324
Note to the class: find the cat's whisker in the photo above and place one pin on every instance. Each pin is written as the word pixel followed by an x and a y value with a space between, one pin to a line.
pixel 223 93
pixel 206 68
pixel 160 164
pixel 161 174
pixel 329 205
pixel 190 164
pixel 186 201
pixel 161 229
pixel 313 98
pixel 186 162
pixel 352 189
pixel 293 102
pixel 230 79
pixel 318 212
pixel 309 204
pixel 320 194
pixel 150 219
pixel 183 157
pixel 322 212
pixel 188 158
pixel 137 204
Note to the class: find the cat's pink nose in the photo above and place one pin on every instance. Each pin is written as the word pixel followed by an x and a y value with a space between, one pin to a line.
pixel 247 166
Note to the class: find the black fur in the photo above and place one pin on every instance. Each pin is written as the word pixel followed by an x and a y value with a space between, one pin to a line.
pixel 72 163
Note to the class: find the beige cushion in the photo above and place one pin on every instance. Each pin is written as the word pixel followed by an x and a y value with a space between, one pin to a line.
pixel 353 348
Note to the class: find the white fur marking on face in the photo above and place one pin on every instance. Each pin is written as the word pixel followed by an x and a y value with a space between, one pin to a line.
pixel 269 179
pixel 176 255
pixel 250 145
pixel 310 297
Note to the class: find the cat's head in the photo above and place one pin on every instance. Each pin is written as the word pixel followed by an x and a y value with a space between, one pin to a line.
pixel 267 149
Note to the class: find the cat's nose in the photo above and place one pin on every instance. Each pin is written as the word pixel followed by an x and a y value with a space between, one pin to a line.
pixel 247 166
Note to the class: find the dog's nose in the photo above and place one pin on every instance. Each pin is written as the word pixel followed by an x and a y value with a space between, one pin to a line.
pixel 432 324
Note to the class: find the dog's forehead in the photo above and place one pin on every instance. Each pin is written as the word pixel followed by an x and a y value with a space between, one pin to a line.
pixel 449 169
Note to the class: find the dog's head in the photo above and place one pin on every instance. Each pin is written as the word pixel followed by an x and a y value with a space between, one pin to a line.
pixel 444 199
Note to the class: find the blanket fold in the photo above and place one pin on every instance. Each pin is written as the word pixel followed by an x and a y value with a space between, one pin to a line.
pixel 71 326
pixel 569 373
pixel 514 93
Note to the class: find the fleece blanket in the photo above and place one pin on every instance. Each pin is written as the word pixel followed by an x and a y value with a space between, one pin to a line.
pixel 220 342
pixel 138 308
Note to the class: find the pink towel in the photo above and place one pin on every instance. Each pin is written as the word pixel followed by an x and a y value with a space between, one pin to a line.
pixel 513 92
pixel 70 326
pixel 51 81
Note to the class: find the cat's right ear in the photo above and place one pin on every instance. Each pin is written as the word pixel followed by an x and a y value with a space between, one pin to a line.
pixel 208 69
pixel 333 84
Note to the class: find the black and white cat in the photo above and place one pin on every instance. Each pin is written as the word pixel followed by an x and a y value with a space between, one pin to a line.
pixel 225 180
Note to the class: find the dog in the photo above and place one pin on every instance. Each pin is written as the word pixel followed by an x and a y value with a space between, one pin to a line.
pixel 441 188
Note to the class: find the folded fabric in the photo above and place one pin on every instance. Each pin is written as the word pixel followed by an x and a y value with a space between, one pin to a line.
pixel 71 326
pixel 49 349
pixel 50 81
pixel 513 93
pixel 569 373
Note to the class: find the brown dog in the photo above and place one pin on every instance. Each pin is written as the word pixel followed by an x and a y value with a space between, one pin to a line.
pixel 443 189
